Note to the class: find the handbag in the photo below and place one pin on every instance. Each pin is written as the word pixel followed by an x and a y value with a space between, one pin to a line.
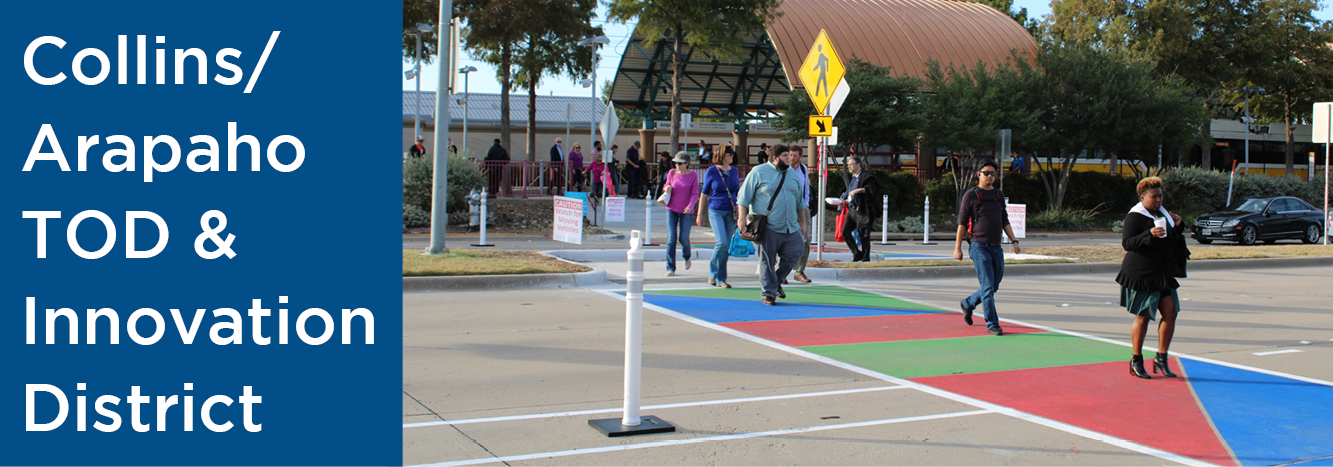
pixel 837 227
pixel 756 224
pixel 739 247
pixel 665 199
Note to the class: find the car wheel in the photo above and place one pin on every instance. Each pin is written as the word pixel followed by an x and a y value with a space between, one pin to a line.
pixel 1204 241
pixel 1311 234
pixel 1248 235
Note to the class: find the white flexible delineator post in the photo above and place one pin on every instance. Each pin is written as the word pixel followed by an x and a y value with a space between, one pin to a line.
pixel 926 222
pixel 483 215
pixel 633 329
pixel 884 224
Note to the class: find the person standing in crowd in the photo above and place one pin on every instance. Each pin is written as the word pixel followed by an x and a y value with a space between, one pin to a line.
pixel 981 217
pixel 770 190
pixel 705 153
pixel 496 160
pixel 683 184
pixel 418 149
pixel 795 161
pixel 575 161
pixel 1018 165
pixel 554 173
pixel 949 163
pixel 613 167
pixel 633 170
pixel 664 168
pixel 763 153
pixel 862 192
pixel 721 184
pixel 452 149
pixel 595 171
pixel 1155 255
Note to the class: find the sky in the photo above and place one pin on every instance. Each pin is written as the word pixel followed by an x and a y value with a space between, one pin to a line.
pixel 484 80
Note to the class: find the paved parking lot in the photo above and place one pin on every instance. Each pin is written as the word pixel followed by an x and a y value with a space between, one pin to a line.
pixel 874 373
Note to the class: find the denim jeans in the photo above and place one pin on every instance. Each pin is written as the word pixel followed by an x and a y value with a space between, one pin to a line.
pixel 678 228
pixel 777 255
pixel 724 226
pixel 989 262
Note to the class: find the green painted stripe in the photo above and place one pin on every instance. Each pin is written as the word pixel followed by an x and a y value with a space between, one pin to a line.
pixel 817 295
pixel 910 359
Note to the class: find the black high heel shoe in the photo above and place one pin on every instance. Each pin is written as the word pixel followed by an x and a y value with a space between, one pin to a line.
pixel 1159 363
pixel 1136 367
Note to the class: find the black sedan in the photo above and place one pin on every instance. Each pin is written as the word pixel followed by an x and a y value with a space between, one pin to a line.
pixel 1262 219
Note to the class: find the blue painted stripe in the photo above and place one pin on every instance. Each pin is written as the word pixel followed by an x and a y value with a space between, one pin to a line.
pixel 722 310
pixel 1265 419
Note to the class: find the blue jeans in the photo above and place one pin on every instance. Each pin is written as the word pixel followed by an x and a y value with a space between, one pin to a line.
pixel 678 228
pixel 724 226
pixel 989 261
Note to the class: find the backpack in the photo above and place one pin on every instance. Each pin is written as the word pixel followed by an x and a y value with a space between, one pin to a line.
pixel 999 198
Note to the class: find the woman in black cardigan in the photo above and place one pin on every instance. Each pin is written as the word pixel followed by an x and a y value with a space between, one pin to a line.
pixel 1154 257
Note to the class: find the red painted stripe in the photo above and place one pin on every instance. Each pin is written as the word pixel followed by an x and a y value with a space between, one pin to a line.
pixel 1102 397
pixel 804 332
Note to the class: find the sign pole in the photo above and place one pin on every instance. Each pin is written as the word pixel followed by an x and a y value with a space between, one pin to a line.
pixel 823 190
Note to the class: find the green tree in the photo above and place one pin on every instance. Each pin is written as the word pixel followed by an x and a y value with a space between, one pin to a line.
pixel 493 29
pixel 710 27
pixel 1020 16
pixel 549 47
pixel 1299 66
pixel 425 12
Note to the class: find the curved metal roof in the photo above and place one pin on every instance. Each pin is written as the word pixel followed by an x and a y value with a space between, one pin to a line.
pixel 902 34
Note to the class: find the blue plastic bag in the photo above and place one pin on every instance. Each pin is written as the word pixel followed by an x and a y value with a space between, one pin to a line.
pixel 740 248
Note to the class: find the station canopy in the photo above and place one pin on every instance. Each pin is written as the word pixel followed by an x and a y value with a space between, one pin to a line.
pixel 902 34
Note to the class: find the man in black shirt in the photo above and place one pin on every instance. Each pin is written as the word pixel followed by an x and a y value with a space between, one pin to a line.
pixel 497 158
pixel 982 216
pixel 763 153
pixel 633 171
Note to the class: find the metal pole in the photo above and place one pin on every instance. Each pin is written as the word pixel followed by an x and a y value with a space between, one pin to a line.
pixel 439 216
pixel 1247 139
pixel 633 329
pixel 467 98
pixel 1327 217
pixel 1231 183
pixel 417 97
pixel 823 174
pixel 569 115
pixel 592 119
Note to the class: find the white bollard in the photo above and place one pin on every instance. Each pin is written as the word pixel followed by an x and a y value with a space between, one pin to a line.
pixel 884 224
pixel 632 423
pixel 926 239
pixel 648 221
pixel 483 220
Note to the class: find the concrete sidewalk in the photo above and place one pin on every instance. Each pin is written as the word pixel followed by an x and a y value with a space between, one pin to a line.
pixel 506 371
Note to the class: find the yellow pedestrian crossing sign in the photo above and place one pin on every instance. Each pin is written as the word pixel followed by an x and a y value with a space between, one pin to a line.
pixel 821 125
pixel 822 72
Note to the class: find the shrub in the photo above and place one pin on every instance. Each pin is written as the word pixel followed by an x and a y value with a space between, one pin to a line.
pixel 418 180
pixel 911 224
pixel 943 196
pixel 1058 219
pixel 414 216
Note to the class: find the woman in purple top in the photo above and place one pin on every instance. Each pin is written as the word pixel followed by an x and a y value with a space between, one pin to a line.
pixel 576 167
pixel 721 184
pixel 684 187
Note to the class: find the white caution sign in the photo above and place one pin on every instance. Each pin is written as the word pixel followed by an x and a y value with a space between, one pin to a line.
pixel 568 220
pixel 1018 219
pixel 615 209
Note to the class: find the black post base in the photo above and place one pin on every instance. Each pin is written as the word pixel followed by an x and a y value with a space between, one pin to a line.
pixel 648 424
pixel 482 244
pixel 925 243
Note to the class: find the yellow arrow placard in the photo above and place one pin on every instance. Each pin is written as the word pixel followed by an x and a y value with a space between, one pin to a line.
pixel 821 72
pixel 821 125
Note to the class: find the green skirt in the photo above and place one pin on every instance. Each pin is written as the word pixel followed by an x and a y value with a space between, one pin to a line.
pixel 1146 303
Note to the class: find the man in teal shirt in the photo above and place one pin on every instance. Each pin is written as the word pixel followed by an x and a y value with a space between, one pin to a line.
pixel 785 236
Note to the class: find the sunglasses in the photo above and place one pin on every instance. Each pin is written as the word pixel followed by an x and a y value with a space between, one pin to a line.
pixel 988 173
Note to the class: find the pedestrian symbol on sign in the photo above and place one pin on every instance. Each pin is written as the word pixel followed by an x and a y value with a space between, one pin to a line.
pixel 821 73
pixel 822 67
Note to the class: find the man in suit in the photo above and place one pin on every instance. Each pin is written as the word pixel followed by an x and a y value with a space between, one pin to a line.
pixel 862 192
pixel 633 170
pixel 497 158
pixel 555 174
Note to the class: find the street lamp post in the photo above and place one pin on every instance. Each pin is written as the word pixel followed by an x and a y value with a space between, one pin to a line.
pixel 592 119
pixel 467 70
pixel 1248 121
pixel 415 73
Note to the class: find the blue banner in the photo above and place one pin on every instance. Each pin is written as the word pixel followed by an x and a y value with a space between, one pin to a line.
pixel 202 213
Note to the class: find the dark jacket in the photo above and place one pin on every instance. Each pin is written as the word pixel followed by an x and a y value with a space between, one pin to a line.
pixel 497 153
pixel 1151 264
pixel 416 151
pixel 865 206
pixel 557 154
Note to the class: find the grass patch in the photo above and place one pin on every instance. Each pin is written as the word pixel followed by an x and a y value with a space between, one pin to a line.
pixel 1115 253
pixel 483 262
pixel 913 263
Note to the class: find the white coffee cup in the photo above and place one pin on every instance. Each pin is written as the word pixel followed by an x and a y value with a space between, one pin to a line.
pixel 1160 222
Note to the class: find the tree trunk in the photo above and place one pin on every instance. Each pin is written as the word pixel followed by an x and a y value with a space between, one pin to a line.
pixel 677 72
pixel 506 61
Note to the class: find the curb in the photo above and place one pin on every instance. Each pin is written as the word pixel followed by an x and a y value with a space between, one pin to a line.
pixel 596 276
pixel 933 272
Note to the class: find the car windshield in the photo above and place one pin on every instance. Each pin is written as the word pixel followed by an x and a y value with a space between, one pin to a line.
pixel 1252 205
